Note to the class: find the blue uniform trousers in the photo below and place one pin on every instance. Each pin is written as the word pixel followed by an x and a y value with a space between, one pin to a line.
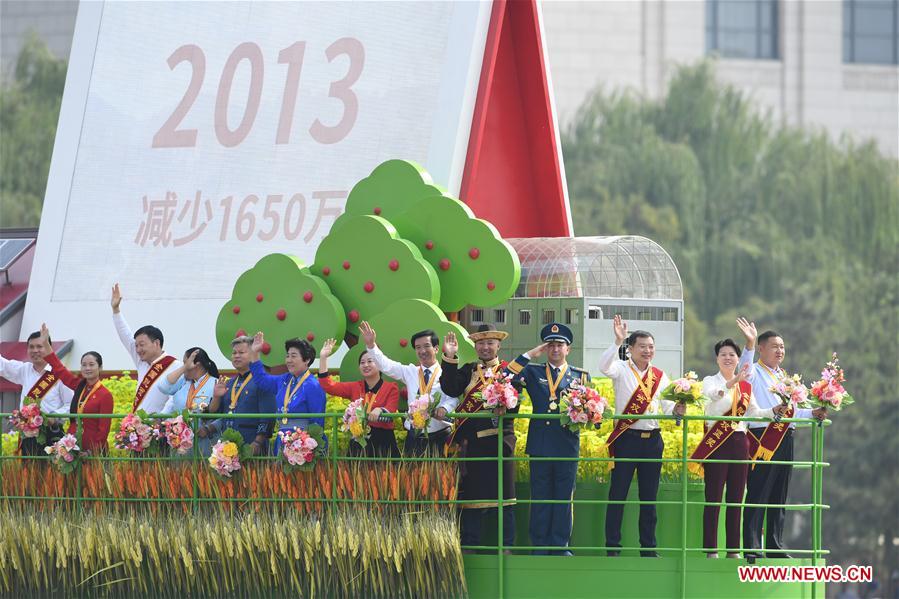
pixel 551 523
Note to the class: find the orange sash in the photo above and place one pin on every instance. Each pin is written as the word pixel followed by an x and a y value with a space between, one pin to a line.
pixel 722 429
pixel 764 447
pixel 41 387
pixel 156 370
pixel 637 404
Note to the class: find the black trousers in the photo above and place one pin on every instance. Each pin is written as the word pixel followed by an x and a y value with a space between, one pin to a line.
pixel 632 444
pixel 768 483
pixel 381 444
pixel 418 445
pixel 31 447
pixel 470 525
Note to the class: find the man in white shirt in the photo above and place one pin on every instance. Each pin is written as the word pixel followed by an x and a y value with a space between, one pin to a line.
pixel 637 386
pixel 420 379
pixel 39 385
pixel 145 348
pixel 769 483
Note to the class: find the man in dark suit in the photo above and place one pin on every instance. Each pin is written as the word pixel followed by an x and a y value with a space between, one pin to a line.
pixel 550 524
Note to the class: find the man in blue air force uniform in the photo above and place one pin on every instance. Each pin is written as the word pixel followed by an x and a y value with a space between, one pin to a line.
pixel 550 524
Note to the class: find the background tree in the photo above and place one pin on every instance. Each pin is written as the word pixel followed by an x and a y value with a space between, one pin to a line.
pixel 29 109
pixel 780 224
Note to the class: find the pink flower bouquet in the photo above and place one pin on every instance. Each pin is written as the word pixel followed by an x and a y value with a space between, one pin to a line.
pixel 581 406
pixel 228 453
pixel 299 447
pixel 791 391
pixel 178 434
pixel 65 454
pixel 828 392
pixel 499 392
pixel 134 434
pixel 28 420
pixel 355 422
pixel 421 409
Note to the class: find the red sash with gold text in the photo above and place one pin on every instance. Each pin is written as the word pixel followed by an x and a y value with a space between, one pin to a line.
pixel 470 402
pixel 722 430
pixel 41 387
pixel 764 447
pixel 636 405
pixel 156 370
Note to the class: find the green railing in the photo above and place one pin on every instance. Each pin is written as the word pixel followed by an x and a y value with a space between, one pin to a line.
pixel 816 464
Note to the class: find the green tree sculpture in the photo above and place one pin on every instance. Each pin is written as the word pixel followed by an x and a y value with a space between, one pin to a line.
pixel 395 327
pixel 474 264
pixel 282 298
pixel 390 189
pixel 369 267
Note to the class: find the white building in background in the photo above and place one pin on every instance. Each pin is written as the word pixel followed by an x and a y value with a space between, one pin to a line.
pixel 828 63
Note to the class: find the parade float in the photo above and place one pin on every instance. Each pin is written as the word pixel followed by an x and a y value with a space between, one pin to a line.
pixel 222 219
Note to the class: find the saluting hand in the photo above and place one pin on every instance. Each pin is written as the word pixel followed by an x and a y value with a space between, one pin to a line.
pixel 368 334
pixel 538 351
pixel 191 360
pixel 116 300
pixel 619 326
pixel 450 345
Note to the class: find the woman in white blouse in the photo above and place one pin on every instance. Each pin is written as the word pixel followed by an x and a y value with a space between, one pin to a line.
pixel 726 392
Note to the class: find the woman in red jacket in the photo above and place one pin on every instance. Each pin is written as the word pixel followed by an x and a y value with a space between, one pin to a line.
pixel 91 397
pixel 380 397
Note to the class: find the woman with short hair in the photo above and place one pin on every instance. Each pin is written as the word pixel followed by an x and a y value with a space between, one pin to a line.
pixel 730 394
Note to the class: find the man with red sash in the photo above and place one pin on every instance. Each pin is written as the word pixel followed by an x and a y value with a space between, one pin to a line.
pixel 637 386
pixel 145 348
pixel 769 483
pixel 477 437
pixel 730 394
pixel 41 386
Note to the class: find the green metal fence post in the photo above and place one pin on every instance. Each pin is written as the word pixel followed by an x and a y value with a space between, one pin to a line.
pixel 334 480
pixel 78 470
pixel 683 539
pixel 499 503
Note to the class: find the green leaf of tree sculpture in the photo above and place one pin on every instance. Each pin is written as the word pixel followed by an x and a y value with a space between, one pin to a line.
pixel 282 298
pixel 395 327
pixel 474 265
pixel 369 267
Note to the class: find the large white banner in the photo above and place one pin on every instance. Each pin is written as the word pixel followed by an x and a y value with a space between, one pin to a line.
pixel 195 138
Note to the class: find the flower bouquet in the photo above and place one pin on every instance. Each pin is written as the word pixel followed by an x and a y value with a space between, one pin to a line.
pixel 581 406
pixel 686 390
pixel 829 392
pixel 299 447
pixel 355 422
pixel 421 409
pixel 228 452
pixel 790 390
pixel 28 420
pixel 135 434
pixel 499 392
pixel 178 434
pixel 65 454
